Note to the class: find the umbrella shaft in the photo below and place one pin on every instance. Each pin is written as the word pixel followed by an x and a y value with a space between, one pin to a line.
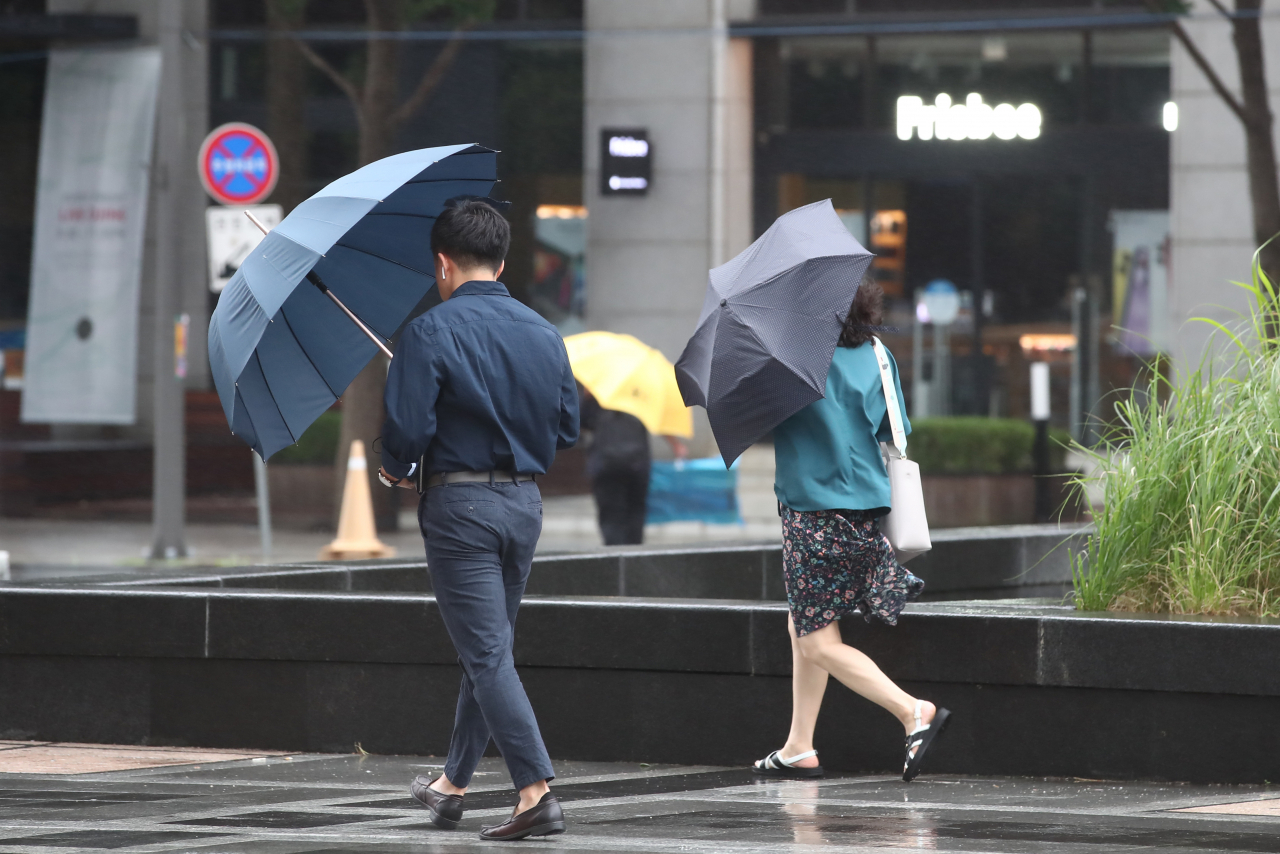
pixel 386 351
pixel 324 289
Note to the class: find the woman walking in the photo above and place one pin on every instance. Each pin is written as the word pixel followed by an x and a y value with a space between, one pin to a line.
pixel 833 489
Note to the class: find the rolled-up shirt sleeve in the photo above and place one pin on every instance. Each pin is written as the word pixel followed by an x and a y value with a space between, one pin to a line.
pixel 567 434
pixel 413 385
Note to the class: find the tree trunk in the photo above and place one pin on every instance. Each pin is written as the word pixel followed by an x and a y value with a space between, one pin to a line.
pixel 286 102
pixel 379 116
pixel 1264 188
pixel 363 410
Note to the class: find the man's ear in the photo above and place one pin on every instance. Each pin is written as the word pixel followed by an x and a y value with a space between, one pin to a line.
pixel 443 264
pixel 502 265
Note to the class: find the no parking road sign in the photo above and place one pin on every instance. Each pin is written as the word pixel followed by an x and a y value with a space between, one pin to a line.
pixel 238 164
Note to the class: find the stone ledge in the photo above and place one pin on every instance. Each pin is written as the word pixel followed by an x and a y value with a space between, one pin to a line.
pixel 989 562
pixel 978 642
pixel 1037 689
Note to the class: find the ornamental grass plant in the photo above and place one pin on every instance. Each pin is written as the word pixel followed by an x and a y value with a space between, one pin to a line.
pixel 1190 522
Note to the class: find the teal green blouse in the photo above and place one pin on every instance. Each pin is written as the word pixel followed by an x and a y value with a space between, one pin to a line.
pixel 828 454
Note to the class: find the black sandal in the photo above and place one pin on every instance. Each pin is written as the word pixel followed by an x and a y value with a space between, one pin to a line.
pixel 920 739
pixel 774 765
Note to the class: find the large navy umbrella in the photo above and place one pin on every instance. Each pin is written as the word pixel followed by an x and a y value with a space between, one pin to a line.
pixel 291 329
pixel 769 326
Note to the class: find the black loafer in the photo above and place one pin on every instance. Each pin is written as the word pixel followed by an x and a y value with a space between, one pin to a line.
pixel 446 810
pixel 545 819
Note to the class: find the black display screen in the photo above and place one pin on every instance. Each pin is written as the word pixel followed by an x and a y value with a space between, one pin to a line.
pixel 625 161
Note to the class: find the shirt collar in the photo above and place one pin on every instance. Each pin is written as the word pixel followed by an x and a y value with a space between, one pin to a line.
pixel 476 288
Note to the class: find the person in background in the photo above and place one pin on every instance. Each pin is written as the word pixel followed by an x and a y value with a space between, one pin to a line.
pixel 619 463
pixel 833 489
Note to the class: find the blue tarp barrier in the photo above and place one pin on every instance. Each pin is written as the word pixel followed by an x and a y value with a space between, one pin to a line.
pixel 694 490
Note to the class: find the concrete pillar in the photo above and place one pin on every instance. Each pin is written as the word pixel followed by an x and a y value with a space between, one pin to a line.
pixel 1210 216
pixel 187 232
pixel 174 272
pixel 670 67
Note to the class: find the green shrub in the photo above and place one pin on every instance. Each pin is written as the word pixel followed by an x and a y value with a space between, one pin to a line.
pixel 975 445
pixel 1190 522
pixel 318 445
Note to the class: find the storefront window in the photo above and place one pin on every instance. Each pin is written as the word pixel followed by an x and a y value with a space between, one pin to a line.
pixel 997 165
pixel 558 290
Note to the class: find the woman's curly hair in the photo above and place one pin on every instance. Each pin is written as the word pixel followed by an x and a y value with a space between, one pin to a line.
pixel 867 311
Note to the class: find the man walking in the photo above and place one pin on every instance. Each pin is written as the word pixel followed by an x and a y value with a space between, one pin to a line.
pixel 480 396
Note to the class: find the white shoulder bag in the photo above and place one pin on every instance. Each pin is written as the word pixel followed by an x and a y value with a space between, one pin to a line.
pixel 906 525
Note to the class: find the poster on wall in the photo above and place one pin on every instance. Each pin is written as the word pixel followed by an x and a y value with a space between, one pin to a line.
pixel 1140 282
pixel 91 205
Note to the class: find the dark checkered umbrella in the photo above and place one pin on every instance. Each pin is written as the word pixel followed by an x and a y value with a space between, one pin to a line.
pixel 770 324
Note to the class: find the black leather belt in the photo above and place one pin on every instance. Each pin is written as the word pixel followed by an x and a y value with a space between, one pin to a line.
pixel 444 478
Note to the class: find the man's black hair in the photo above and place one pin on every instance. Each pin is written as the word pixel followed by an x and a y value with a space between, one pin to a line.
pixel 472 232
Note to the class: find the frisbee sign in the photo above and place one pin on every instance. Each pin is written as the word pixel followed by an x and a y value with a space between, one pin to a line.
pixel 238 164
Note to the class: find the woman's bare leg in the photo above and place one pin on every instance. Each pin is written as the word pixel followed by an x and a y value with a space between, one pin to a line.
pixel 808 684
pixel 825 649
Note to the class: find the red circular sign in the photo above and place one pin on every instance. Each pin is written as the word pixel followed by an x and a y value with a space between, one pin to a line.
pixel 238 164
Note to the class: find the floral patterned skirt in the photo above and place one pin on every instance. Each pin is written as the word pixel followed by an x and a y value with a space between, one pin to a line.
pixel 836 562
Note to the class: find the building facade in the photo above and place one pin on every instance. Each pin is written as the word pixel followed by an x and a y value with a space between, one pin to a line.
pixel 1062 167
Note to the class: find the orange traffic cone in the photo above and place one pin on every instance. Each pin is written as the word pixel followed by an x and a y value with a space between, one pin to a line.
pixel 357 534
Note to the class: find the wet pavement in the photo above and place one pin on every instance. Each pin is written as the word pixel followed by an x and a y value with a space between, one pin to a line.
pixel 41 549
pixel 327 803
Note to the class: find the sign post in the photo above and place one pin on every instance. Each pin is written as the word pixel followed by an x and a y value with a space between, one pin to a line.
pixel 941 303
pixel 1040 448
pixel 239 168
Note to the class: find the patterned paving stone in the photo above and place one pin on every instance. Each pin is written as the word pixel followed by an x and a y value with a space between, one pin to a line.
pixel 1264 807
pixel 62 759
pixel 324 804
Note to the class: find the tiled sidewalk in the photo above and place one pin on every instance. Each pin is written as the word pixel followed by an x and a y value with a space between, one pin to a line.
pixel 253 801
pixel 43 757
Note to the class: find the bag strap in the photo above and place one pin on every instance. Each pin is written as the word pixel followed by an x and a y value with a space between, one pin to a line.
pixel 890 397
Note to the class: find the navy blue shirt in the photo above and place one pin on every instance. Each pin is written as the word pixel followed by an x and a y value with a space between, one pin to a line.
pixel 478 383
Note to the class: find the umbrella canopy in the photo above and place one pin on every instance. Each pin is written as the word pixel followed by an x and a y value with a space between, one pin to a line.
pixel 769 326
pixel 280 350
pixel 627 375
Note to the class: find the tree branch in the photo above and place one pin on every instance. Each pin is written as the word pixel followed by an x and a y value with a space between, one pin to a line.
pixel 332 73
pixel 1223 10
pixel 1214 80
pixel 431 79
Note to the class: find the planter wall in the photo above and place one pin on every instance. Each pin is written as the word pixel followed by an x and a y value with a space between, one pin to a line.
pixel 1036 691
pixel 966 563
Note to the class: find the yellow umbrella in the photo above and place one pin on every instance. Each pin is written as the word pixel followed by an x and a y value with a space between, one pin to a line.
pixel 627 375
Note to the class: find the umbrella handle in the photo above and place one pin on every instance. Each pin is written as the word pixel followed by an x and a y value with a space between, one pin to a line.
pixel 315 279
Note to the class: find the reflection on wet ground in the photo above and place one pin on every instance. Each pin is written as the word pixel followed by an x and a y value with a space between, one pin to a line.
pixel 313 804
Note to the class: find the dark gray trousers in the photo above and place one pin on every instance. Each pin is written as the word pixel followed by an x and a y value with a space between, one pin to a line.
pixel 480 540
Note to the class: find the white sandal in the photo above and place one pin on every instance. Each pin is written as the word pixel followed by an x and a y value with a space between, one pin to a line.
pixel 920 738
pixel 774 765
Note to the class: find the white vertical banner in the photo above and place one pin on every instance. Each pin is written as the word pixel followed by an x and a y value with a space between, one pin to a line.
pixel 91 205
pixel 1140 282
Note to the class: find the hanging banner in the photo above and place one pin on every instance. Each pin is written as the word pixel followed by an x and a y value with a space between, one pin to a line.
pixel 1140 282
pixel 91 205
